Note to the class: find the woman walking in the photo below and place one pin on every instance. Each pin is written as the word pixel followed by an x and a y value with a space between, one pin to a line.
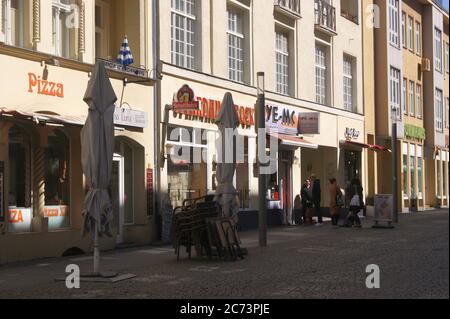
pixel 356 203
pixel 336 201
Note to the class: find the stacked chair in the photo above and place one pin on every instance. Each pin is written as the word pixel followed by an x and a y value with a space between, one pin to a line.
pixel 197 224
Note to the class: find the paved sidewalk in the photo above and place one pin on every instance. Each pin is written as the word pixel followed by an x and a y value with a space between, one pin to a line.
pixel 300 262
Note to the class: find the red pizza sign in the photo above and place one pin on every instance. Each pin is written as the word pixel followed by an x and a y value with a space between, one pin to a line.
pixel 184 100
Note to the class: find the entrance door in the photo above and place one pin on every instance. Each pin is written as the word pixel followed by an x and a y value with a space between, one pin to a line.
pixel 118 196
pixel 285 182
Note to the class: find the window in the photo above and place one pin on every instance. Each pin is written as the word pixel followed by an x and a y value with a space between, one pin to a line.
pixel 418 38
pixel 235 46
pixel 410 33
pixel 393 22
pixel 183 33
pixel 348 84
pixel 61 31
pixel 447 57
pixel 282 62
pixel 12 22
pixel 101 29
pixel 447 124
pixel 438 50
pixel 439 111
pixel 395 91
pixel 19 168
pixel 404 29
pixel 321 75
pixel 412 104
pixel 405 96
pixel 57 170
pixel 419 106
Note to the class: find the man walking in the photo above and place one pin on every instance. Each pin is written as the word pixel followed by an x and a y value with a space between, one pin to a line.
pixel 316 198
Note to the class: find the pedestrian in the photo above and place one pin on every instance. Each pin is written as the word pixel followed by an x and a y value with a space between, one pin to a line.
pixel 336 201
pixel 306 195
pixel 356 203
pixel 316 198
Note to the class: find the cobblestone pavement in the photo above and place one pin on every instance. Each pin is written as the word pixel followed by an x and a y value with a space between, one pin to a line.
pixel 300 262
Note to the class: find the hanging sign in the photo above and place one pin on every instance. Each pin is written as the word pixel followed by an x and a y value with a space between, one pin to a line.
pixel 2 191
pixel 290 121
pixel 309 123
pixel 130 118
pixel 185 100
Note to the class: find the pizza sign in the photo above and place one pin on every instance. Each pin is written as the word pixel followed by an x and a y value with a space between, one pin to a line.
pixel 185 100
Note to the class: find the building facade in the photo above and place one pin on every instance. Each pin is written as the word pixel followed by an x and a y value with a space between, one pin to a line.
pixel 47 51
pixel 312 57
pixel 409 85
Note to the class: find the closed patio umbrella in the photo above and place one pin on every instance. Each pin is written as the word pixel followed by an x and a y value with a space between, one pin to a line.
pixel 97 147
pixel 227 121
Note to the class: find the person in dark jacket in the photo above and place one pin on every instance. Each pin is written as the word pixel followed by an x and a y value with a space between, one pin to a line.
pixel 356 203
pixel 306 202
pixel 316 198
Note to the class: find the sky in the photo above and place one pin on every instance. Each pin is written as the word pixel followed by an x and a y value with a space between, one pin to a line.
pixel 445 2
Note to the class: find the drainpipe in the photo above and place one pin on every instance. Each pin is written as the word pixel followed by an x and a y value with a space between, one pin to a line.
pixel 156 108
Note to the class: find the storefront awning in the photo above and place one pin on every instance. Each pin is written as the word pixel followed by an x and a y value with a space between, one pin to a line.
pixel 43 118
pixel 294 141
pixel 375 148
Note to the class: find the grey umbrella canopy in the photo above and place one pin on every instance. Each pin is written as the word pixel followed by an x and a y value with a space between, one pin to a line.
pixel 227 121
pixel 97 147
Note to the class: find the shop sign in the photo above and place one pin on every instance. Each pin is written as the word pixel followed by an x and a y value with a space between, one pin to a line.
pixel 416 132
pixel 282 119
pixel 289 121
pixel 44 87
pixel 352 134
pixel 19 220
pixel 58 217
pixel 309 123
pixel 130 118
pixel 2 191
pixel 184 100
pixel 209 110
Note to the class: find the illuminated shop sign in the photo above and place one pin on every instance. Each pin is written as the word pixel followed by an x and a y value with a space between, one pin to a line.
pixel 184 100
pixel 44 87
pixel 19 220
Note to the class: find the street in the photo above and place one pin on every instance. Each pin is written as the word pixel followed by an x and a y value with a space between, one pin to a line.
pixel 300 262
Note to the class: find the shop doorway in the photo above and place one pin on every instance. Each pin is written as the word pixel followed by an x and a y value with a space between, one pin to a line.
pixel 285 182
pixel 118 196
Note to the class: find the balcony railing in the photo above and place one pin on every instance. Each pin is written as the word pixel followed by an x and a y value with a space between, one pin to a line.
pixel 292 6
pixel 325 15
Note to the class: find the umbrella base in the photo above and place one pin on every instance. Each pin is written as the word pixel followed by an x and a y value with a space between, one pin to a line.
pixel 102 274
pixel 103 277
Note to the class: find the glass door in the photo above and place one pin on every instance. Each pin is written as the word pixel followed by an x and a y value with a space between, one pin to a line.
pixel 118 196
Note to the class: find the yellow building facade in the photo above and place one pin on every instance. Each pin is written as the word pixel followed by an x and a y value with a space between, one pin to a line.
pixel 47 52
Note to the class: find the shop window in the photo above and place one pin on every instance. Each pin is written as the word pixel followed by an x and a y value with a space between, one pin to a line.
pixel 420 171
pixel 412 169
pixel 187 172
pixel 405 172
pixel 19 168
pixel 57 170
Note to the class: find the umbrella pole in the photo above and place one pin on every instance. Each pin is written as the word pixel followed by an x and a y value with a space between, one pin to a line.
pixel 96 251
